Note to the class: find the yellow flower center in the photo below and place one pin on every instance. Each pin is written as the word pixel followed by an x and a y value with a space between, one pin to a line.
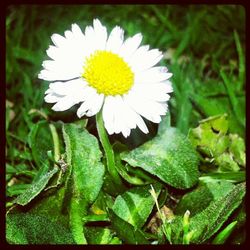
pixel 108 73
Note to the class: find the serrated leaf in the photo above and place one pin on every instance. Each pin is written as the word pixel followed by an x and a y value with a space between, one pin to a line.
pixel 200 198
pixel 210 220
pixel 169 156
pixel 135 205
pixel 126 231
pixel 35 188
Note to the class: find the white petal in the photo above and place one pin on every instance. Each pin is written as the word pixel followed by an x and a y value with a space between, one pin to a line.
pixel 155 74
pixel 64 104
pixel 58 40
pixel 64 88
pixel 115 39
pixel 108 114
pixel 62 69
pixel 68 34
pixel 145 59
pixel 100 34
pixel 138 120
pixel 77 31
pixel 154 91
pixel 91 105
pixel 52 52
pixel 130 46
pixel 52 98
pixel 119 117
pixel 151 110
pixel 56 76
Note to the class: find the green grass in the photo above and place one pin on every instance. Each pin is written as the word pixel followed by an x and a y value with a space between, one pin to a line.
pixel 204 48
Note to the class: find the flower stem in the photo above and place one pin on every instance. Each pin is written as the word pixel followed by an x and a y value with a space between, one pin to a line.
pixel 56 142
pixel 107 149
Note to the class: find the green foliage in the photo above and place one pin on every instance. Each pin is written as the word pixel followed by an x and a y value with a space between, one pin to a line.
pixel 169 156
pixel 211 138
pixel 224 234
pixel 34 229
pixel 68 182
pixel 35 188
pixel 135 205
pixel 126 231
pixel 207 221
pixel 212 218
pixel 102 236
pixel 83 156
pixel 200 198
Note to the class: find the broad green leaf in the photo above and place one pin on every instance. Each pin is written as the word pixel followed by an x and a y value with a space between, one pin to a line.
pixel 169 156
pixel 84 155
pixel 99 235
pixel 210 220
pixel 199 199
pixel 135 205
pixel 52 204
pixel 35 188
pixel 126 231
pixel 87 171
pixel 29 228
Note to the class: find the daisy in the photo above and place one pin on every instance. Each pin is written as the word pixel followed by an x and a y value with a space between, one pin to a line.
pixel 107 74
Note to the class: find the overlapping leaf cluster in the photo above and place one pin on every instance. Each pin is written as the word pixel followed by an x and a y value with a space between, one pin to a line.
pixel 183 184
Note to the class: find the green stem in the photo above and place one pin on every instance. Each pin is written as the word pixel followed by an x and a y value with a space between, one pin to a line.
pixel 107 149
pixel 55 142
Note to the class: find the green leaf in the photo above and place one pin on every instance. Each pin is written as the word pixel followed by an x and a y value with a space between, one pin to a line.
pixel 77 211
pixel 17 189
pixel 84 155
pixel 40 141
pixel 126 231
pixel 210 136
pixel 99 235
pixel 237 149
pixel 135 205
pixel 226 163
pixel 200 198
pixel 236 107
pixel 87 171
pixel 169 156
pixel 239 176
pixel 242 67
pixel 224 234
pixel 210 220
pixel 29 228
pixel 35 188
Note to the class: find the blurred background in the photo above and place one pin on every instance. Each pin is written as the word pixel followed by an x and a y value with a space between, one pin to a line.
pixel 203 45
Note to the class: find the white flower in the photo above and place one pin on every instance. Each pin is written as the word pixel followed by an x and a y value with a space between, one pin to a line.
pixel 109 74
